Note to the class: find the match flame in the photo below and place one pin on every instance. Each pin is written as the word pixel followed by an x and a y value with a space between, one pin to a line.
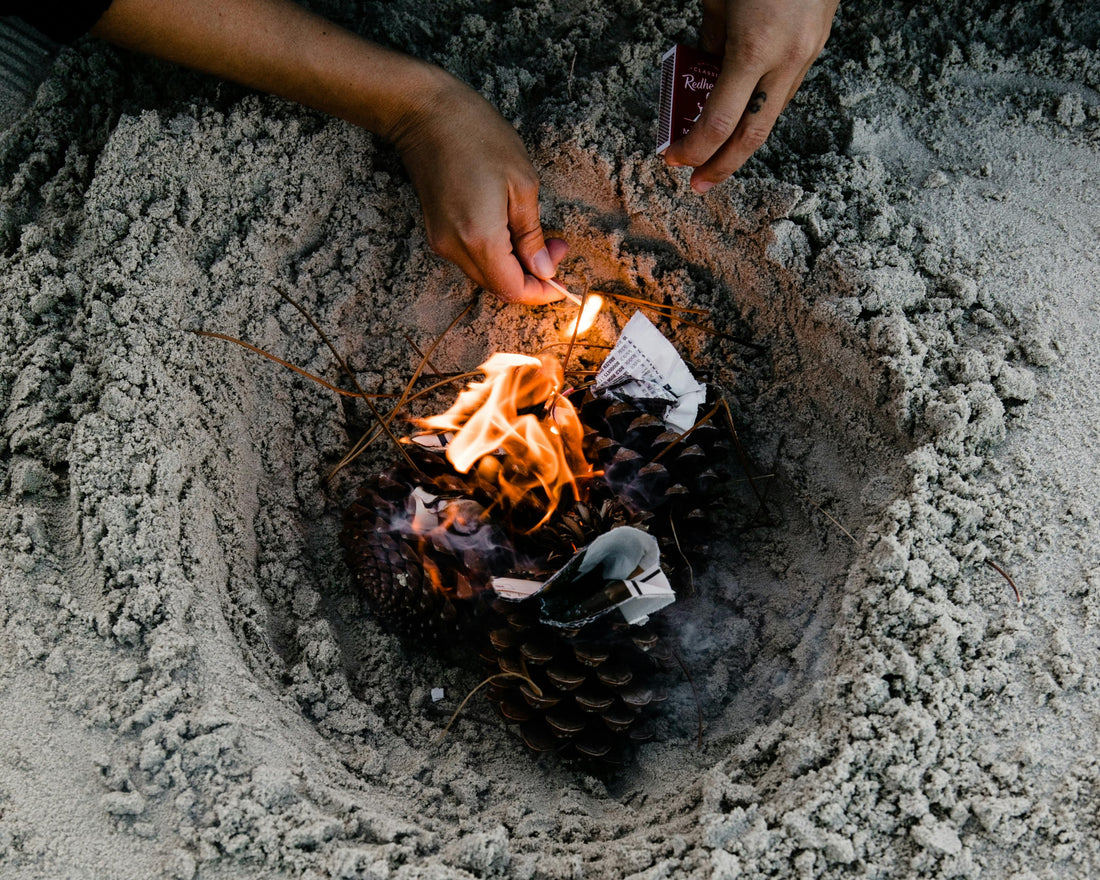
pixel 516 429
pixel 586 317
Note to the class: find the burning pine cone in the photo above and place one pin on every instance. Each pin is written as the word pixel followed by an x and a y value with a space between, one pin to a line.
pixel 434 544
pixel 422 572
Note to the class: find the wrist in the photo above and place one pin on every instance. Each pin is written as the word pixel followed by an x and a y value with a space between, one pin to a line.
pixel 423 92
pixel 379 89
pixel 429 97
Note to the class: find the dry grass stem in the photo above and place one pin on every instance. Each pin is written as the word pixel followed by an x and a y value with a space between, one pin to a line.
pixel 385 421
pixel 490 679
pixel 271 357
pixel 1011 583
pixel 833 520
pixel 664 308
pixel 421 354
pixel 683 556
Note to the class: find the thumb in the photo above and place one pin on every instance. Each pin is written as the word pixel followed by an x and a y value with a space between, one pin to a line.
pixel 528 242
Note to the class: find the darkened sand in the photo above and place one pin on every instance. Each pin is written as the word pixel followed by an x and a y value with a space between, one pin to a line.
pixel 910 276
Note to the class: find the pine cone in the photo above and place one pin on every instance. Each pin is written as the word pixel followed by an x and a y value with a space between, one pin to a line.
pixel 579 692
pixel 419 581
pixel 653 476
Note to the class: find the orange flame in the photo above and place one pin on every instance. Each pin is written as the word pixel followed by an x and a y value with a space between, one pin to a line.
pixel 586 317
pixel 516 429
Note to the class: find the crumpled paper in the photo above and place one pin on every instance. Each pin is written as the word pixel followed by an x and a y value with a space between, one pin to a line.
pixel 644 366
pixel 620 570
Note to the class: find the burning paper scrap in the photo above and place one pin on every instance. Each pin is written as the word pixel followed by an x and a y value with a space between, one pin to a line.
pixel 644 365
pixel 425 515
pixel 516 425
pixel 621 570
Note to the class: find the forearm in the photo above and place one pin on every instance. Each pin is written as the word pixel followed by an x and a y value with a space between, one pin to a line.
pixel 278 47
pixel 479 195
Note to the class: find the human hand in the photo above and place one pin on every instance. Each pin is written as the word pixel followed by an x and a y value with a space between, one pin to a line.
pixel 767 47
pixel 476 185
pixel 479 193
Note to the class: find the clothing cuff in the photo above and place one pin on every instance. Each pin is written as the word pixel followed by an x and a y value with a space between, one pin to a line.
pixel 60 20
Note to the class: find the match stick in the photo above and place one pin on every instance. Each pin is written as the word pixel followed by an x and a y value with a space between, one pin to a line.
pixel 571 296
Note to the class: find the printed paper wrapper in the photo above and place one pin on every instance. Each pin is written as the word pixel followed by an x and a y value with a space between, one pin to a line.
pixel 644 365
pixel 620 570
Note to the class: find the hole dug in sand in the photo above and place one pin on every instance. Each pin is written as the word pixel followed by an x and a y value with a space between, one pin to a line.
pixel 190 688
pixel 760 636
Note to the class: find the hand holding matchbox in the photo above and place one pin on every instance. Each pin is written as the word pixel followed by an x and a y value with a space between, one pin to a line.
pixel 688 76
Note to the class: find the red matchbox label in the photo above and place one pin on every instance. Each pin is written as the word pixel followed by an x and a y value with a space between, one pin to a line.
pixel 687 78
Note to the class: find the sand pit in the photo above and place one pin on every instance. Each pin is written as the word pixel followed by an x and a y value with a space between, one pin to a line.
pixel 908 279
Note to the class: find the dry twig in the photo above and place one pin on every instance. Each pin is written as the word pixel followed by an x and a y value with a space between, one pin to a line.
pixel 1011 583
pixel 490 679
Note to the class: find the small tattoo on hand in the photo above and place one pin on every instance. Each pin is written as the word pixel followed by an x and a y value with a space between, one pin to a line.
pixel 756 102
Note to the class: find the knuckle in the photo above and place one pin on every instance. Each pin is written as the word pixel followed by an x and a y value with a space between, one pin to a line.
pixel 752 51
pixel 528 240
pixel 710 132
pixel 527 182
pixel 706 136
pixel 437 245
pixel 469 232
pixel 445 246
pixel 753 136
pixel 804 46
pixel 718 124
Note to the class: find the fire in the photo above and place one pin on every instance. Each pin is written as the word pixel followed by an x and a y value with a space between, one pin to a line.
pixel 516 429
pixel 586 317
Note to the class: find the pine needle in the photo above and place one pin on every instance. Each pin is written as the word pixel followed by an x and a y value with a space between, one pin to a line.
pixel 1011 583
pixel 490 679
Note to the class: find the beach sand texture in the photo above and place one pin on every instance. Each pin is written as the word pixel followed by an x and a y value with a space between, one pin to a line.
pixel 908 277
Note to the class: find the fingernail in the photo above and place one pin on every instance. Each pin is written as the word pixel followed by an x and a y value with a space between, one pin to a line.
pixel 542 264
pixel 701 186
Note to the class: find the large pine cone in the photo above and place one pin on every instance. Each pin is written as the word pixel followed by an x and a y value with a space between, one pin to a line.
pixel 580 691
pixel 655 478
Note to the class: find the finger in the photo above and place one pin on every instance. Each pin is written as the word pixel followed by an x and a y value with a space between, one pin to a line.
pixel 718 120
pixel 499 271
pixel 523 223
pixel 761 112
pixel 558 249
pixel 798 83
pixel 712 33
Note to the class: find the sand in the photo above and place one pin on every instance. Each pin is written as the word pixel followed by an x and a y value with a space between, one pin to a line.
pixel 908 279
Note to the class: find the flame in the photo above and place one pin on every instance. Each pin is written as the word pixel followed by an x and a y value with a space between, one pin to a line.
pixel 516 429
pixel 586 317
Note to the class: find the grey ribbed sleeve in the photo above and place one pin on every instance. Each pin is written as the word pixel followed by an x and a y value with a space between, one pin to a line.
pixel 25 58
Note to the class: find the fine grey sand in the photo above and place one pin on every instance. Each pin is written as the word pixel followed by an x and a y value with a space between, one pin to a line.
pixel 909 274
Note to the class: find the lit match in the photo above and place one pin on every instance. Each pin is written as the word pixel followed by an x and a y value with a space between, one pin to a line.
pixel 576 300
pixel 586 317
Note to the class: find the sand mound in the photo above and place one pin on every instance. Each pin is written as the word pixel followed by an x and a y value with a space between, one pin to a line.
pixel 906 277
